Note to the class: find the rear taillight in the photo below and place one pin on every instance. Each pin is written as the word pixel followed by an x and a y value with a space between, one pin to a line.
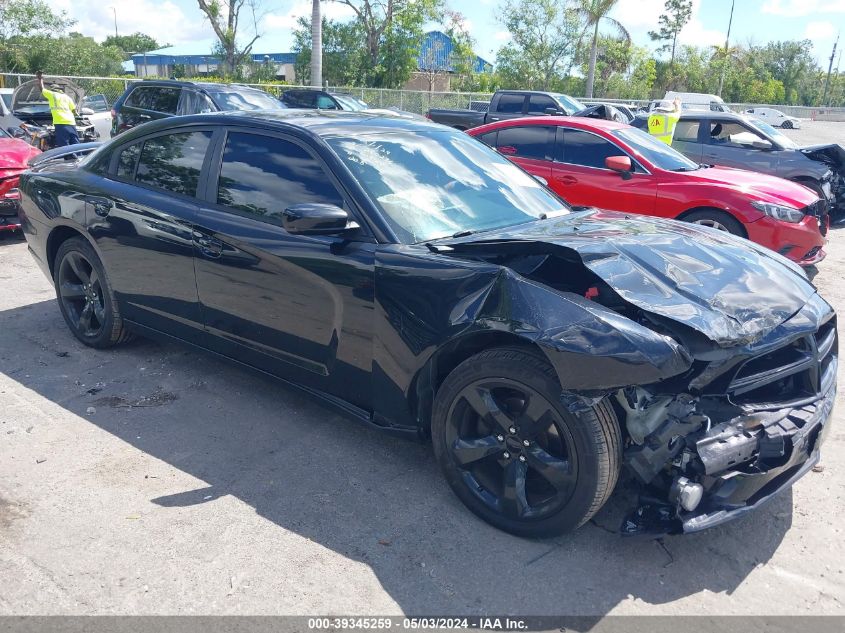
pixel 12 194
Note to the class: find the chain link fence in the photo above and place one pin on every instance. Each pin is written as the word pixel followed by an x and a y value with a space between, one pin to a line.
pixel 415 101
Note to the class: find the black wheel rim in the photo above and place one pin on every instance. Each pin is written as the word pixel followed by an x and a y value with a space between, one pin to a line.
pixel 512 449
pixel 81 294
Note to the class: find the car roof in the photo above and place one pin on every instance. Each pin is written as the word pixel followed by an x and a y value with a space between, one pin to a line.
pixel 713 115
pixel 208 86
pixel 574 121
pixel 323 123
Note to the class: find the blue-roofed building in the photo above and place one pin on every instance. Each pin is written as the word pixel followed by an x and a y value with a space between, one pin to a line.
pixel 198 59
pixel 436 63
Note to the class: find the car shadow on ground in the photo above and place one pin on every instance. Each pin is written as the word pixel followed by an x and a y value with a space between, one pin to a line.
pixel 372 498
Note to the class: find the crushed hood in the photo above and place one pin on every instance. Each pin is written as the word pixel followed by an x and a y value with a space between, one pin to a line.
pixel 727 288
pixel 831 153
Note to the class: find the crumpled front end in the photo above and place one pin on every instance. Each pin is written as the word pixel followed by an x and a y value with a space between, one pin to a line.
pixel 746 427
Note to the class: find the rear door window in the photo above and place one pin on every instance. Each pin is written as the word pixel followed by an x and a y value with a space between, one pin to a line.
pixel 488 139
pixel 263 175
pixel 173 162
pixel 156 98
pixel 510 103
pixel 127 160
pixel 687 131
pixel 529 141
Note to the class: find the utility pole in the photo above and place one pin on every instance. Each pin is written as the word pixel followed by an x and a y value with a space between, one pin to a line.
pixel 727 45
pixel 115 21
pixel 829 70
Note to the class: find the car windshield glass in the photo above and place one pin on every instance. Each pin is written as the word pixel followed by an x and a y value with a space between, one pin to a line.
pixel 778 137
pixel 656 152
pixel 443 183
pixel 568 104
pixel 247 100
pixel 350 104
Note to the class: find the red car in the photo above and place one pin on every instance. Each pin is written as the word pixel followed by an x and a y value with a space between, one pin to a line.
pixel 591 162
pixel 14 154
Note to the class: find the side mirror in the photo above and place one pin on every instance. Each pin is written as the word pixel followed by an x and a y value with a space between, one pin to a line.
pixel 553 112
pixel 86 111
pixel 763 145
pixel 620 164
pixel 316 219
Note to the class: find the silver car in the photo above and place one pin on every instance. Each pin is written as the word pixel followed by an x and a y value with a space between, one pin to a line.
pixel 733 140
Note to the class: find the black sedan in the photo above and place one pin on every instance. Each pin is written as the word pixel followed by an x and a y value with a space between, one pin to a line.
pixel 412 277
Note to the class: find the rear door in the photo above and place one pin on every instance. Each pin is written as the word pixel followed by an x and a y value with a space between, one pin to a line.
pixel 141 217
pixel 529 146
pixel 146 103
pixel 687 139
pixel 580 177
pixel 300 307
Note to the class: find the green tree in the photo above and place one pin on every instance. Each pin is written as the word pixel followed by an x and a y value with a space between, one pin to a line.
pixel 135 43
pixel 21 19
pixel 225 19
pixel 594 12
pixel 544 38
pixel 462 58
pixel 789 62
pixel 392 31
pixel 343 53
pixel 677 15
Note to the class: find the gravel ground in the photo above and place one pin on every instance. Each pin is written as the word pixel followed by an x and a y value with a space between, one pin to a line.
pixel 155 480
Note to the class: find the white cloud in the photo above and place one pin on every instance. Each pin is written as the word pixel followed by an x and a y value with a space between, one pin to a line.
pixel 502 36
pixel 799 8
pixel 165 21
pixel 640 17
pixel 288 20
pixel 815 31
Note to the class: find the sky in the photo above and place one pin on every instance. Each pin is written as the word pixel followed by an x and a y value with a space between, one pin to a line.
pixel 758 21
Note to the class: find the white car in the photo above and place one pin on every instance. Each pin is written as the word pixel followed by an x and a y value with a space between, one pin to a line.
pixel 775 118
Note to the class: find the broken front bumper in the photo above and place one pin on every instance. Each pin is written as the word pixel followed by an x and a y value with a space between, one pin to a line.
pixel 787 447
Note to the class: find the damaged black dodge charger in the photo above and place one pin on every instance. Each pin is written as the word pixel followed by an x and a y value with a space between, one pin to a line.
pixel 412 277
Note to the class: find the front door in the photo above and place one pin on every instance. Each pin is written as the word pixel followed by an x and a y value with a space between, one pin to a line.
pixel 580 177
pixel 734 144
pixel 300 307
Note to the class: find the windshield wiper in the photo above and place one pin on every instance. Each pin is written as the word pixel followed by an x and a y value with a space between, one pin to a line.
pixel 696 168
pixel 464 233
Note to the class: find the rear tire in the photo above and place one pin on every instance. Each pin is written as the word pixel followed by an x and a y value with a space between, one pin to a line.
pixel 513 454
pixel 85 296
pixel 787 125
pixel 716 219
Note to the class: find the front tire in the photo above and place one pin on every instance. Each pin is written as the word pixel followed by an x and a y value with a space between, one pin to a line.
pixel 85 296
pixel 716 219
pixel 513 454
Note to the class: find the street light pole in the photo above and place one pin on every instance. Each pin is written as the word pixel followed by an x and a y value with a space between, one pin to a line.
pixel 829 70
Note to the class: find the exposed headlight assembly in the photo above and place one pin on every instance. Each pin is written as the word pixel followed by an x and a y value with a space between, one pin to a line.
pixel 779 212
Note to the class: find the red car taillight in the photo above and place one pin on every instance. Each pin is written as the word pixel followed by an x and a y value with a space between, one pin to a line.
pixel 12 194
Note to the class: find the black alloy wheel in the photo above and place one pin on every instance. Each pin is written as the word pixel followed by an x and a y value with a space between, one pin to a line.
pixel 81 294
pixel 514 454
pixel 512 447
pixel 85 297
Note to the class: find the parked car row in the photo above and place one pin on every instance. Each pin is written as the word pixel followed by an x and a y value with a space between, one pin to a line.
pixel 422 283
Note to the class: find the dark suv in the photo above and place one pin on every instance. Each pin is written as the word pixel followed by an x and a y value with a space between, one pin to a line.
pixel 156 99
pixel 321 100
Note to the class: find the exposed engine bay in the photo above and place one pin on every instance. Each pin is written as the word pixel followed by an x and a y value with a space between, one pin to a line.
pixel 834 157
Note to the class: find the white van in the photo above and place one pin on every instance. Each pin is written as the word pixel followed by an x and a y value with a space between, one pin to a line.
pixel 698 101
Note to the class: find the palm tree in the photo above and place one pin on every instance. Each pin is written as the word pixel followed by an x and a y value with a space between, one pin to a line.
pixel 593 12
pixel 316 44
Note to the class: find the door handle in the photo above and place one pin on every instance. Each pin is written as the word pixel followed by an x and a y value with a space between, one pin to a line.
pixel 144 116
pixel 209 246
pixel 567 180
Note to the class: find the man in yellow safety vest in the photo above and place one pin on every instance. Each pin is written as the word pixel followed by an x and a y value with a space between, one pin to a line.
pixel 63 110
pixel 662 122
